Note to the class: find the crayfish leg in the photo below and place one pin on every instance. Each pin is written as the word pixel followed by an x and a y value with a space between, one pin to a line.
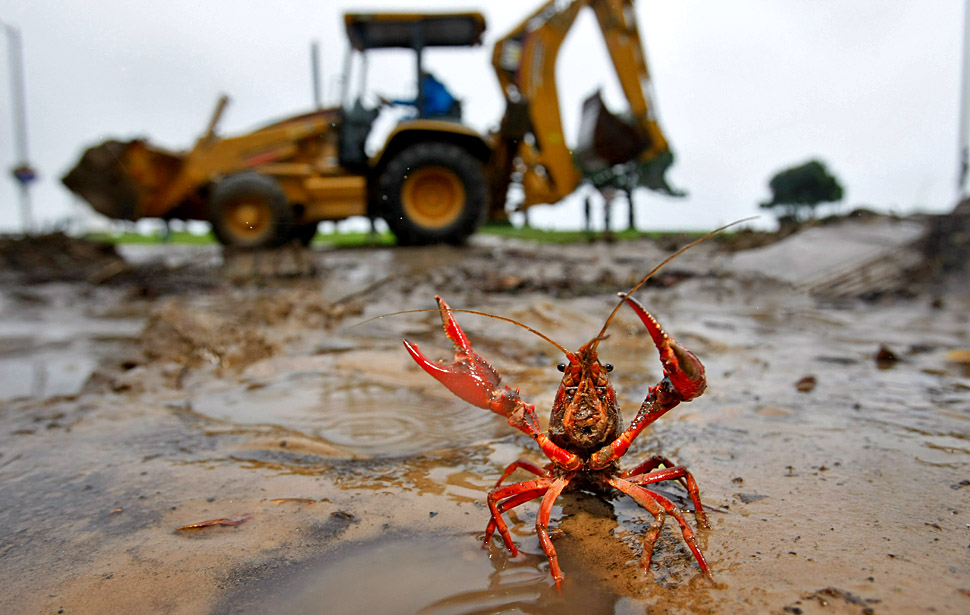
pixel 522 464
pixel 650 538
pixel 502 499
pixel 542 524
pixel 656 504
pixel 646 474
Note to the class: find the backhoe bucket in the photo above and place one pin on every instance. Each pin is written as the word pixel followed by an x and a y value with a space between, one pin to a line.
pixel 606 140
pixel 119 179
pixel 609 151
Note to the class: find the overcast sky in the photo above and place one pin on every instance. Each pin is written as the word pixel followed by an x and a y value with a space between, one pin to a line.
pixel 743 89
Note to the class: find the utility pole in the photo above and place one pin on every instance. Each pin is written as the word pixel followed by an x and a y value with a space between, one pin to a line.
pixel 22 171
pixel 315 73
pixel 964 155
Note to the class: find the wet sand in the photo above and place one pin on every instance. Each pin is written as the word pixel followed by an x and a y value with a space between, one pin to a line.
pixel 341 479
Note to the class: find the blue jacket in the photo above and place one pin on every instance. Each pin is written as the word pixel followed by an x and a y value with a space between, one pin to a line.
pixel 437 99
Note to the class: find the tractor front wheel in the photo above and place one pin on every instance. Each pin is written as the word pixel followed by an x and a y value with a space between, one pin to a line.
pixel 250 210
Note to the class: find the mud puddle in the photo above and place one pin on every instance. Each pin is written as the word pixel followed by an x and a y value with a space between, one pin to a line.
pixel 49 347
pixel 430 575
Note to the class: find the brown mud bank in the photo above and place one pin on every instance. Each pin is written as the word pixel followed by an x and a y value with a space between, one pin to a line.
pixel 186 433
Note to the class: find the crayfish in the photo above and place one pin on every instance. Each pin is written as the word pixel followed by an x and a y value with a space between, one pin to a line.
pixel 586 438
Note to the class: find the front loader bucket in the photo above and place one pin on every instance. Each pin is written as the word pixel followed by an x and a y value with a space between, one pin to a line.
pixel 119 179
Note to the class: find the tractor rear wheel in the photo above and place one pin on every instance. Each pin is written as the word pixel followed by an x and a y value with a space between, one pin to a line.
pixel 433 193
pixel 249 210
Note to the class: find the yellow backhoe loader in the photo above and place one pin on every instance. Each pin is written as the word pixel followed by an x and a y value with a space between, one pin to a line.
pixel 434 179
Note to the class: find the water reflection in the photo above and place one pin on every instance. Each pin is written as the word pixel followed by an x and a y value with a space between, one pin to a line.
pixel 430 575
pixel 523 585
pixel 600 573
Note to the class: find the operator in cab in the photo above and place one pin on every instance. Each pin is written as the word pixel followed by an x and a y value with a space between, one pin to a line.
pixel 438 101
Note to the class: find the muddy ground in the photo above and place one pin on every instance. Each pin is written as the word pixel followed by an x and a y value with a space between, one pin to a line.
pixel 169 387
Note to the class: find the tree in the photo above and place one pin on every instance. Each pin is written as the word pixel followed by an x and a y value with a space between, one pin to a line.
pixel 796 191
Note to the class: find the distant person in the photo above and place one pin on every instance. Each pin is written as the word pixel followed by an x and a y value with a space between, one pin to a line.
pixel 438 101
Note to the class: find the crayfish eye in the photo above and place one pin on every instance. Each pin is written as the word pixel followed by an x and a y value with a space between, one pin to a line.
pixel 562 366
pixel 608 367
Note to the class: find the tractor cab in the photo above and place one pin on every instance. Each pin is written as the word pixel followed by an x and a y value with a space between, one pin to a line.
pixel 417 31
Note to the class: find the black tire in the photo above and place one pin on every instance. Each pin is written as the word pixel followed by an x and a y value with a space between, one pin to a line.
pixel 250 210
pixel 433 193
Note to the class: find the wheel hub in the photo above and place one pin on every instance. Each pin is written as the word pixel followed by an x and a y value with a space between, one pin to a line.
pixel 247 218
pixel 433 197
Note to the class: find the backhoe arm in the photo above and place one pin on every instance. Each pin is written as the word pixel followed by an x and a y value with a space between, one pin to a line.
pixel 618 22
pixel 525 62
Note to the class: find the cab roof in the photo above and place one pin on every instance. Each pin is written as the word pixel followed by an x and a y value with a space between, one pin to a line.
pixel 414 30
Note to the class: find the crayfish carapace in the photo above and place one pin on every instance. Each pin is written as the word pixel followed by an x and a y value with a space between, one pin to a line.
pixel 585 439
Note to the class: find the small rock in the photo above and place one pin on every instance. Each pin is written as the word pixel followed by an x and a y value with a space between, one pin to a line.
pixel 885 358
pixel 806 384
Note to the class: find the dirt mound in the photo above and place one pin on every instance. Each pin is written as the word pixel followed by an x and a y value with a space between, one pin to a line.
pixel 946 246
pixel 228 334
pixel 749 239
pixel 193 337
pixel 55 257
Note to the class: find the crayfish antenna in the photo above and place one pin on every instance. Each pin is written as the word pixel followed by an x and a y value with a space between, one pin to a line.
pixel 535 332
pixel 653 272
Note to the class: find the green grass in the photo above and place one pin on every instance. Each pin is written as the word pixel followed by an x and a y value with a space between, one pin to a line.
pixel 129 238
pixel 351 240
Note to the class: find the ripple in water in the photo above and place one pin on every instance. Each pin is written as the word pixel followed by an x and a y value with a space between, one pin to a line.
pixel 363 417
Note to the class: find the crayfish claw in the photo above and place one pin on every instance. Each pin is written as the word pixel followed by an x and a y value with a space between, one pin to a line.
pixel 470 377
pixel 684 371
pixel 452 330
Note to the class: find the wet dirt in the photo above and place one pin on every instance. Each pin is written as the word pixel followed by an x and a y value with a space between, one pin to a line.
pixel 225 388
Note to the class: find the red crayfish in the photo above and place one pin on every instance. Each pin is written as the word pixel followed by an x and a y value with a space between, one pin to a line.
pixel 586 438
